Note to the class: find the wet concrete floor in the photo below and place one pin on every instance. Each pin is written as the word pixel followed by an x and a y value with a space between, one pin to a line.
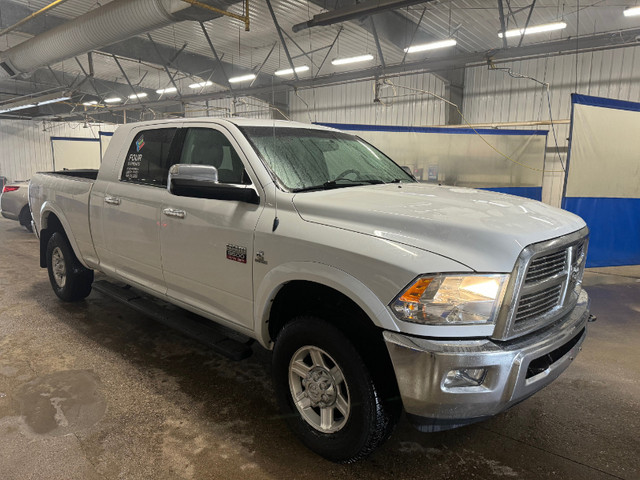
pixel 94 390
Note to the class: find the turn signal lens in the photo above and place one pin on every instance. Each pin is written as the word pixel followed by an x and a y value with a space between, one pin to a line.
pixel 9 188
pixel 415 291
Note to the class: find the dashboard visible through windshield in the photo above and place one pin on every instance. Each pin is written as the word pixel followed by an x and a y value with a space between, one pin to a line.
pixel 305 159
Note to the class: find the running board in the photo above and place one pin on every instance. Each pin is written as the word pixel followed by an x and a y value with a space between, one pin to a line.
pixel 224 341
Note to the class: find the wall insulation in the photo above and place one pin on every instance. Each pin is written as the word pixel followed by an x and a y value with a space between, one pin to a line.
pixel 353 103
pixel 25 146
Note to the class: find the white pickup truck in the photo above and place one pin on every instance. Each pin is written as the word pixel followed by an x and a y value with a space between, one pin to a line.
pixel 375 292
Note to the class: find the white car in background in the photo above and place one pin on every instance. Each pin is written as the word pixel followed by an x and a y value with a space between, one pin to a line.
pixel 14 203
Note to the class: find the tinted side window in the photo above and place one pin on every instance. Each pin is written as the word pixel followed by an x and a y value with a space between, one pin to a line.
pixel 148 157
pixel 205 146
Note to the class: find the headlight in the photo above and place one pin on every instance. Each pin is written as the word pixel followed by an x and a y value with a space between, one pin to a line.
pixel 452 300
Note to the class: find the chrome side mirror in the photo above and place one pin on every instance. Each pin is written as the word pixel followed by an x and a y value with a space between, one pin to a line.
pixel 184 175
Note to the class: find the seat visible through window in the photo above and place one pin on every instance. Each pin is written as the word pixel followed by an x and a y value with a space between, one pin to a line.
pixel 205 146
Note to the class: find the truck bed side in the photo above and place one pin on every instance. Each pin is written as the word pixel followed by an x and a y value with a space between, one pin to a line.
pixel 60 200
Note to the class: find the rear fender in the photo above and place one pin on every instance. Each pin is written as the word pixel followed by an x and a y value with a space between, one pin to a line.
pixel 46 210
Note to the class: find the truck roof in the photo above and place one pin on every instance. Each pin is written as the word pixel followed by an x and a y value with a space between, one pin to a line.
pixel 240 122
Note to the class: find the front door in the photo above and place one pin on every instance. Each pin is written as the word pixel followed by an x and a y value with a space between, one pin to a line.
pixel 207 245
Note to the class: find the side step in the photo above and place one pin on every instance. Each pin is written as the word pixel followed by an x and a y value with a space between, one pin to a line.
pixel 224 341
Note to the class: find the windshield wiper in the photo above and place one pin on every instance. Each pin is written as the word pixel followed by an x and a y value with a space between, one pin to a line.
pixel 333 184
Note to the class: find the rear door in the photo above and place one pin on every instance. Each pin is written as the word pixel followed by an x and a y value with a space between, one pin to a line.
pixel 207 249
pixel 131 213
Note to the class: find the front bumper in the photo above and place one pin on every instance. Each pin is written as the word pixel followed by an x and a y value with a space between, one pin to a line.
pixel 515 370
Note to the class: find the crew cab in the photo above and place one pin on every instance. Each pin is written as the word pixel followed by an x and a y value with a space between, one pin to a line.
pixel 374 291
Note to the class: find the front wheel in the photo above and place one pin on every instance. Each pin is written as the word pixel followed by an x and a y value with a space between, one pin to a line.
pixel 326 392
pixel 70 280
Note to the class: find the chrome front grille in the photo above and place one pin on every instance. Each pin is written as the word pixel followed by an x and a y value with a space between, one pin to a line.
pixel 544 285
pixel 537 304
pixel 546 266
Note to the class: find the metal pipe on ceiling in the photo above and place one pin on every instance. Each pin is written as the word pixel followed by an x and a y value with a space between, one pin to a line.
pixel 356 11
pixel 32 16
pixel 112 23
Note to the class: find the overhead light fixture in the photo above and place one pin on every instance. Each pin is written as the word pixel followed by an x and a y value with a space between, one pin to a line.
pixel 201 84
pixel 91 103
pixel 430 46
pixel 289 71
pixel 548 27
pixel 166 90
pixel 112 100
pixel 53 100
pixel 31 102
pixel 242 78
pixel 631 11
pixel 359 58
pixel 137 95
pixel 18 107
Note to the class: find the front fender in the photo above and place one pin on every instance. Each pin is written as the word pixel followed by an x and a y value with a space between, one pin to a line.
pixel 322 274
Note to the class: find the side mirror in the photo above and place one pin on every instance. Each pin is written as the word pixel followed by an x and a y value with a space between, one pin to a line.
pixel 201 181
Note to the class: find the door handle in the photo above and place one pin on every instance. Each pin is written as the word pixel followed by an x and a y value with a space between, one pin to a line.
pixel 112 200
pixel 172 212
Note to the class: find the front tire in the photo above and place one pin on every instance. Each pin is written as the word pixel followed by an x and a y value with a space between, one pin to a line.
pixel 70 280
pixel 326 392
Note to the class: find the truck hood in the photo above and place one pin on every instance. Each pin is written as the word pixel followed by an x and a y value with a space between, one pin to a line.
pixel 483 230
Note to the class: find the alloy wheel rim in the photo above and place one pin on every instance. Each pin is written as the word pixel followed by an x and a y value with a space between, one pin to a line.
pixel 59 267
pixel 319 389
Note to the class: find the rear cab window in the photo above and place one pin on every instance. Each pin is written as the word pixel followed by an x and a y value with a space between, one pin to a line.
pixel 149 157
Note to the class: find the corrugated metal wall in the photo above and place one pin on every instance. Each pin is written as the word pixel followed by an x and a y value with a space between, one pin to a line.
pixel 493 96
pixel 353 103
pixel 25 146
pixel 245 107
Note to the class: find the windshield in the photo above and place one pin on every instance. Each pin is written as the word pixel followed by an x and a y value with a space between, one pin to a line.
pixel 305 159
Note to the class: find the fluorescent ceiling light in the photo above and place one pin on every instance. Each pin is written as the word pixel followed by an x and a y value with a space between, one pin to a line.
pixel 201 84
pixel 19 107
pixel 289 71
pixel 548 27
pixel 91 103
pixel 54 100
pixel 137 95
pixel 430 46
pixel 631 11
pixel 112 100
pixel 242 78
pixel 359 58
pixel 166 90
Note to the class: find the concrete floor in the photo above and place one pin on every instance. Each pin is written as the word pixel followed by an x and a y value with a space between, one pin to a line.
pixel 94 390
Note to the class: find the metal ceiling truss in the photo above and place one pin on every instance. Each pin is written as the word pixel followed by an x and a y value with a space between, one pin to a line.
pixel 282 42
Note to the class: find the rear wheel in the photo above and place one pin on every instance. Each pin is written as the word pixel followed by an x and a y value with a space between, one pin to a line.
pixel 326 392
pixel 25 218
pixel 70 280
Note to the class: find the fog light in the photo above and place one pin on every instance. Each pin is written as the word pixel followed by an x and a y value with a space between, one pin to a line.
pixel 465 377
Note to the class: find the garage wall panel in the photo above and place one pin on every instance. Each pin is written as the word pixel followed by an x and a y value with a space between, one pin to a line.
pixel 25 146
pixel 353 103
pixel 493 96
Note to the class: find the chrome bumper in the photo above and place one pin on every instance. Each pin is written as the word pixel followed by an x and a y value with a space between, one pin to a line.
pixel 421 366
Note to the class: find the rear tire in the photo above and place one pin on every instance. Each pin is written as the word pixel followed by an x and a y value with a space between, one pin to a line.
pixel 25 218
pixel 70 280
pixel 328 397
